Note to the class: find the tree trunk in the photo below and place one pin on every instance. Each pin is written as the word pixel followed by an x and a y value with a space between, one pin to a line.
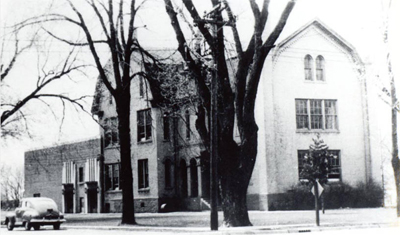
pixel 234 205
pixel 123 109
pixel 236 167
pixel 395 150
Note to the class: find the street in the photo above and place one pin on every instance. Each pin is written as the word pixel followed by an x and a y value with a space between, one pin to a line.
pixel 66 231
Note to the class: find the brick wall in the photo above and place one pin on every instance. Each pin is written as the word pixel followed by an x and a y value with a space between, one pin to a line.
pixel 43 167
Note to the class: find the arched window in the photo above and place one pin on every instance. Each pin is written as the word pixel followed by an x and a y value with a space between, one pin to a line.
pixel 187 122
pixel 308 67
pixel 168 173
pixel 183 169
pixel 320 64
pixel 166 126
pixel 194 182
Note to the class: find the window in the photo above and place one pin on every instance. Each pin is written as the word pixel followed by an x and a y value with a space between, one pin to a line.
pixel 194 182
pixel 320 68
pixel 187 122
pixel 168 173
pixel 110 98
pixel 183 180
pixel 141 86
pixel 143 174
pixel 111 132
pixel 166 126
pixel 112 176
pixel 301 114
pixel 308 67
pixel 334 162
pixel 330 114
pixel 81 176
pixel 316 114
pixel 36 195
pixel 144 125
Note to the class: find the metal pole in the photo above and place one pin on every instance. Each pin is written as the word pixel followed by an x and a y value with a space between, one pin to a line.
pixel 316 202
pixel 214 146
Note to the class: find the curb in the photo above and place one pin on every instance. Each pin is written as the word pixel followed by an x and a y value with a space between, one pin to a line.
pixel 299 228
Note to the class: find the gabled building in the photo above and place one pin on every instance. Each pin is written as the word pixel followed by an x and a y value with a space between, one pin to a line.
pixel 312 83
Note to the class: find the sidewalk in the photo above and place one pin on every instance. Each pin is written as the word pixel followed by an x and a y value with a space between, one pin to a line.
pixel 263 221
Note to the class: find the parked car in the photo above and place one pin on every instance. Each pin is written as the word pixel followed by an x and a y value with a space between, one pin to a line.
pixel 35 212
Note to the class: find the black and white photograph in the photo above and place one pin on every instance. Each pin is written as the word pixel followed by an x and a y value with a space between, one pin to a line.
pixel 199 117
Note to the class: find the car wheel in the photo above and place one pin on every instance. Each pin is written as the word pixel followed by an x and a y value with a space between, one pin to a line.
pixel 56 226
pixel 28 226
pixel 36 227
pixel 10 225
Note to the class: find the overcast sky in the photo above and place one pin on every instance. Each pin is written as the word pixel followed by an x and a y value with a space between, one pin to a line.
pixel 357 21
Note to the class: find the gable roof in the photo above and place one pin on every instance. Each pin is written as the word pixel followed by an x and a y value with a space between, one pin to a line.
pixel 164 55
pixel 329 32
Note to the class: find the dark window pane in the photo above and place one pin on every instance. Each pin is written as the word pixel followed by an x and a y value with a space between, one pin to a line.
pixel 320 68
pixel 301 114
pixel 187 120
pixel 308 67
pixel 143 176
pixel 166 126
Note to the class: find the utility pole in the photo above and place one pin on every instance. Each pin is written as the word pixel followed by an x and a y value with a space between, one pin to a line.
pixel 214 22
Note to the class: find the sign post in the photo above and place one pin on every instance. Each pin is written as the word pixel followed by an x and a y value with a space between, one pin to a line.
pixel 317 190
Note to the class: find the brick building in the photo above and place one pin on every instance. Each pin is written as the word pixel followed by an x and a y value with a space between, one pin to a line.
pixel 312 83
pixel 68 173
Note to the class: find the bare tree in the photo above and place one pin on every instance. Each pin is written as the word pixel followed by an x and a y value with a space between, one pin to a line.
pixel 236 95
pixel 12 183
pixel 117 23
pixel 12 108
pixel 394 107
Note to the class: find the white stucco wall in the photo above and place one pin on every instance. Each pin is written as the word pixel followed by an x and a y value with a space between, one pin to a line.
pixel 283 81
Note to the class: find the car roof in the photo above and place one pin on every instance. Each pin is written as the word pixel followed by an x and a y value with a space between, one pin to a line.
pixel 37 199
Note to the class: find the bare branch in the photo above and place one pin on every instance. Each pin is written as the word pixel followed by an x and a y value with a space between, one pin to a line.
pixel 17 52
pixel 72 43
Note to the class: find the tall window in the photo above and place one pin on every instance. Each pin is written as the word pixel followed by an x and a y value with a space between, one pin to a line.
pixel 168 173
pixel 141 86
pixel 183 182
pixel 111 132
pixel 330 114
pixel 144 125
pixel 316 114
pixel 112 172
pixel 110 98
pixel 166 126
pixel 301 114
pixel 320 68
pixel 143 173
pixel 194 182
pixel 187 122
pixel 308 67
pixel 334 162
pixel 81 175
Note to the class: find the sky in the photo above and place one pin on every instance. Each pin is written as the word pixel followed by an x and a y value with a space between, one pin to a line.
pixel 357 21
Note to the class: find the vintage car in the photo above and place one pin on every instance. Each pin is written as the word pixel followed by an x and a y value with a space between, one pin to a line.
pixel 35 212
